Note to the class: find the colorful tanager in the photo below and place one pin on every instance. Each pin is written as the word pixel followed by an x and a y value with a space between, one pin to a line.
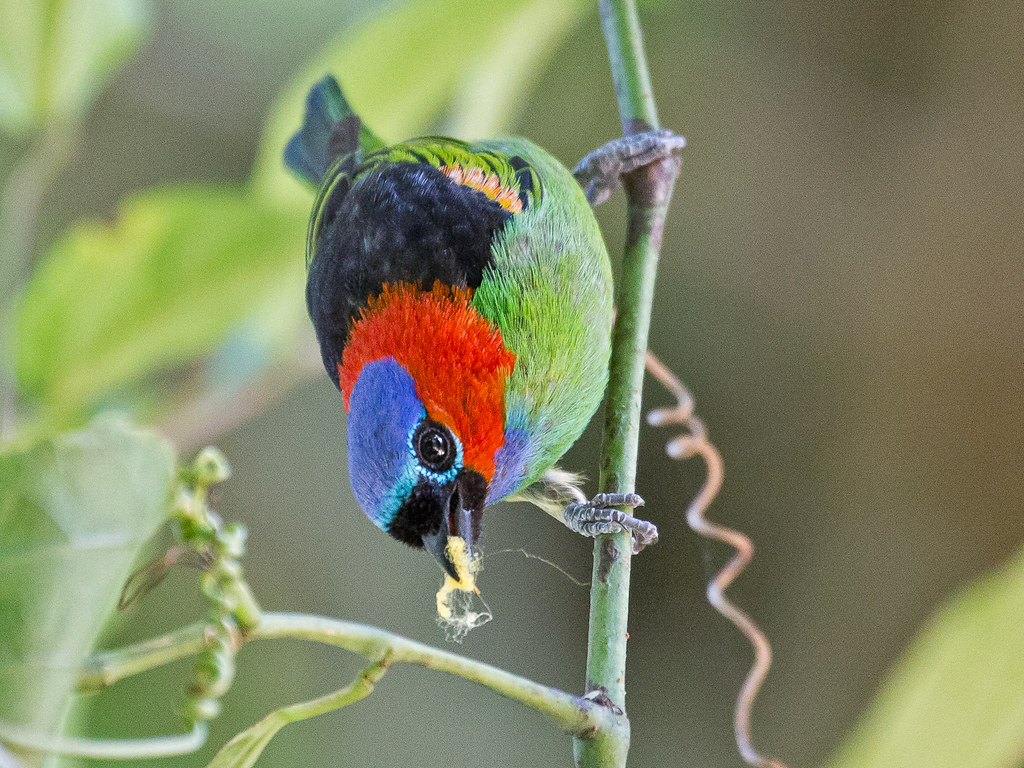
pixel 462 298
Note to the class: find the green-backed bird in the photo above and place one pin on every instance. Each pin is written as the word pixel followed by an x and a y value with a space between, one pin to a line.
pixel 462 298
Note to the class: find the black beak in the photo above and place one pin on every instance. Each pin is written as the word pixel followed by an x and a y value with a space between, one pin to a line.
pixel 463 509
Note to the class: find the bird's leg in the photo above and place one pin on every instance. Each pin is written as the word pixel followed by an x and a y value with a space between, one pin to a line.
pixel 599 516
pixel 600 172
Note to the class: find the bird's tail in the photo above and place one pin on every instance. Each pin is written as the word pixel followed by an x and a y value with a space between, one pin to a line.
pixel 330 130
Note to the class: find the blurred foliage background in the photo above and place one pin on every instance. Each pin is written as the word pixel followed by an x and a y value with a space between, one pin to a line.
pixel 841 288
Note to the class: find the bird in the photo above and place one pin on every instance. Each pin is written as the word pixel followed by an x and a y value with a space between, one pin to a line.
pixel 462 298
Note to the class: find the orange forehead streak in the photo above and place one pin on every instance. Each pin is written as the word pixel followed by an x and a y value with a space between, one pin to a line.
pixel 456 358
pixel 489 184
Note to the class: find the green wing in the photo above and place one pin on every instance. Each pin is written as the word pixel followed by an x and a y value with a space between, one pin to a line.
pixel 549 290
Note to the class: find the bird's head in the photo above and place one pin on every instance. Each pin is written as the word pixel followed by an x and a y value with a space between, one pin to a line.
pixel 423 375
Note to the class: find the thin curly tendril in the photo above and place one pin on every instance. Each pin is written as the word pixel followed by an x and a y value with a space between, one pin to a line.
pixel 694 442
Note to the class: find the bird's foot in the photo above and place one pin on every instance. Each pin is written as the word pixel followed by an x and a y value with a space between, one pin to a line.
pixel 601 171
pixel 599 516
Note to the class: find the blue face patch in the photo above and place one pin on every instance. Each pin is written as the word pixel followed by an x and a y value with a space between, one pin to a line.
pixel 383 411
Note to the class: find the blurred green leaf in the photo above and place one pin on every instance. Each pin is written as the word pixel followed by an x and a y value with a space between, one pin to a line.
pixel 956 699
pixel 402 69
pixel 55 55
pixel 183 268
pixel 163 285
pixel 246 747
pixel 490 94
pixel 74 511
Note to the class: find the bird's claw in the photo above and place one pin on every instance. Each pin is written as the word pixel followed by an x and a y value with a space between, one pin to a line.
pixel 599 516
pixel 601 171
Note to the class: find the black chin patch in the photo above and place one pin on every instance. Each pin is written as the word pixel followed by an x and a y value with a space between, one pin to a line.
pixel 420 515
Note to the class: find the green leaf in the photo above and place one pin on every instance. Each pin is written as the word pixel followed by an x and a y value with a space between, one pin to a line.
pixel 55 55
pixel 401 70
pixel 243 750
pixel 956 699
pixel 162 286
pixel 492 92
pixel 74 512
pixel 185 268
pixel 246 747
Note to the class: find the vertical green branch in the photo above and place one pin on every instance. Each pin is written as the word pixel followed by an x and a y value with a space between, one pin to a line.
pixel 648 192
pixel 622 33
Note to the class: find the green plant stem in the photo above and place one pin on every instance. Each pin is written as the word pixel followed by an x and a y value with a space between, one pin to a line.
pixel 621 28
pixel 577 716
pixel 648 192
pixel 106 749
pixel 103 669
pixel 358 689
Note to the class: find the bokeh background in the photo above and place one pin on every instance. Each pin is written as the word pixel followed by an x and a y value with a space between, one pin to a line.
pixel 840 287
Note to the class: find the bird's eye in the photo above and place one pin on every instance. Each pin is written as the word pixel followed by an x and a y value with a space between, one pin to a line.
pixel 435 447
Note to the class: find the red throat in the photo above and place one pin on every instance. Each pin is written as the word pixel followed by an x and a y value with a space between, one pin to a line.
pixel 456 358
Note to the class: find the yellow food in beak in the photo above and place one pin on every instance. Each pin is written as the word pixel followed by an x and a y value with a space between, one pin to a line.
pixel 456 599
